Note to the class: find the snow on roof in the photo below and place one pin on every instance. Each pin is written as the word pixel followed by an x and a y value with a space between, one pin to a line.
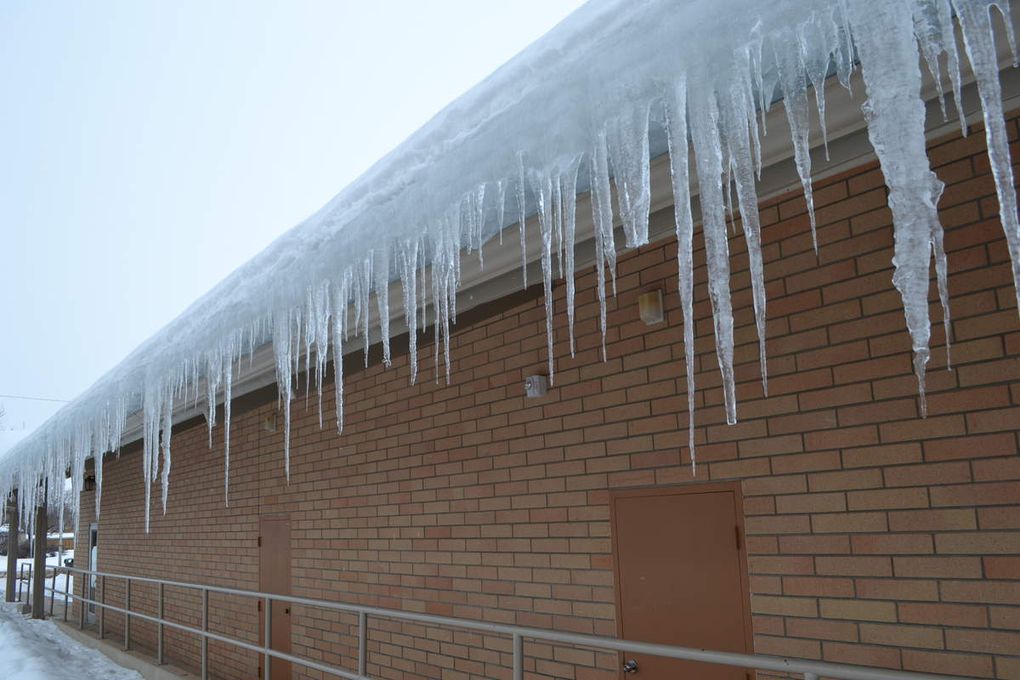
pixel 574 112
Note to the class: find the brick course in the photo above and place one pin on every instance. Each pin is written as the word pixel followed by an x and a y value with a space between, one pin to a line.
pixel 873 536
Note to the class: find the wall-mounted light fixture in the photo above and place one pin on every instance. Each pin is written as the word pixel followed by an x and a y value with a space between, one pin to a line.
pixel 650 307
pixel 269 423
pixel 536 386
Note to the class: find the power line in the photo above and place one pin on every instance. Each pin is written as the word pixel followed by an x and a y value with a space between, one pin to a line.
pixel 21 396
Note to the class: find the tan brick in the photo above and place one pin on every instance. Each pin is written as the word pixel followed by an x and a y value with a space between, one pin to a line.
pixel 942 663
pixel 858 610
pixel 932 520
pixel 784 606
pixel 849 522
pixel 902 636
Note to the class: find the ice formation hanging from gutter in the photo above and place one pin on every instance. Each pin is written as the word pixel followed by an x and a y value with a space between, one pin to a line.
pixel 574 112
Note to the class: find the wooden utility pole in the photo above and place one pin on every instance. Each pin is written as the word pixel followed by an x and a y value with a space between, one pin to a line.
pixel 39 568
pixel 13 534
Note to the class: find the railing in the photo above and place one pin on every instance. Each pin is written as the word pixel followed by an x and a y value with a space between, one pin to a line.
pixel 810 670
pixel 21 579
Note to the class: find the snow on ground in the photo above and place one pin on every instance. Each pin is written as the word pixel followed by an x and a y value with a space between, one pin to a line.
pixel 38 650
pixel 63 580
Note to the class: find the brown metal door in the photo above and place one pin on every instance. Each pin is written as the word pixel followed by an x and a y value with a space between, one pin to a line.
pixel 681 577
pixel 274 577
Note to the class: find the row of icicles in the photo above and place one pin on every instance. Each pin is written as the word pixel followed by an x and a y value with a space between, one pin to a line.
pixel 718 121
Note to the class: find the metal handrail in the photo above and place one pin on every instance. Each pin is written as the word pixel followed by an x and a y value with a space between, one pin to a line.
pixel 21 580
pixel 811 670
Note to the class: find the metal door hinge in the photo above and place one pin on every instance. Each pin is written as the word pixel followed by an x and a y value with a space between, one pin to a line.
pixel 259 541
pixel 736 532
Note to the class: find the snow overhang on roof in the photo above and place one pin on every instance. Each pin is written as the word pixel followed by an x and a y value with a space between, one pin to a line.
pixel 581 111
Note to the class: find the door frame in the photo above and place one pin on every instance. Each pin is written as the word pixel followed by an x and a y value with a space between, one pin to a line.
pixel 91 581
pixel 277 517
pixel 733 487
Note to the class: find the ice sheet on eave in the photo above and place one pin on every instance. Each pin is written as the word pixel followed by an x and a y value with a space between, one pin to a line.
pixel 573 112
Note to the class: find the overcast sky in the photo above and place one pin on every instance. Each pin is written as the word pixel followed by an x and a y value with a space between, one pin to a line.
pixel 148 148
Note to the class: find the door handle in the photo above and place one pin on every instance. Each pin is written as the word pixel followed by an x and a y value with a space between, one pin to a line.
pixel 630 667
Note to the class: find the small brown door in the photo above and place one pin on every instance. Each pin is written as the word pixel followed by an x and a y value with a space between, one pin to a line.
pixel 681 577
pixel 274 577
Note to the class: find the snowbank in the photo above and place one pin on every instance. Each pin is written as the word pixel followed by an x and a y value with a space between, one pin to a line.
pixel 37 650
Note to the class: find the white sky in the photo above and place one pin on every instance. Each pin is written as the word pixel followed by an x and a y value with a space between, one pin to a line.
pixel 149 147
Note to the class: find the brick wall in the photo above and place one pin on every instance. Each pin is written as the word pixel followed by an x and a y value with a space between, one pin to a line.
pixel 873 536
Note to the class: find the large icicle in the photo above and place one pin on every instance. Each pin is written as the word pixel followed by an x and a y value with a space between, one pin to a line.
pixel 704 129
pixel 228 381
pixel 568 213
pixel 283 349
pixel 742 164
pixel 795 102
pixel 542 188
pixel 889 59
pixel 339 299
pixel 602 218
pixel 978 40
pixel 676 131
pixel 628 153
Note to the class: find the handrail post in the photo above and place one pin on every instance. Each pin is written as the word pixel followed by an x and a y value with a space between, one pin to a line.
pixel 205 628
pixel 127 614
pixel 102 609
pixel 810 676
pixel 518 657
pixel 159 628
pixel 82 605
pixel 362 643
pixel 21 580
pixel 267 638
pixel 68 585
pixel 53 590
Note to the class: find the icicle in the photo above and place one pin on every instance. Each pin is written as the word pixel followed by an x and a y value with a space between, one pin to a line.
pixel 795 102
pixel 309 328
pixel 557 208
pixel 750 67
pixel 283 350
pixel 628 153
pixel 814 56
pixel 340 297
pixel 603 205
pixel 704 128
pixel 214 369
pixel 228 379
pixel 363 291
pixel 500 207
pixel 676 138
pixel 542 188
pixel 978 40
pixel 928 29
pixel 743 173
pixel 408 281
pixel 479 222
pixel 382 299
pixel 321 310
pixel 602 221
pixel 168 422
pixel 889 61
pixel 568 211
pixel 522 217
pixel 97 463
